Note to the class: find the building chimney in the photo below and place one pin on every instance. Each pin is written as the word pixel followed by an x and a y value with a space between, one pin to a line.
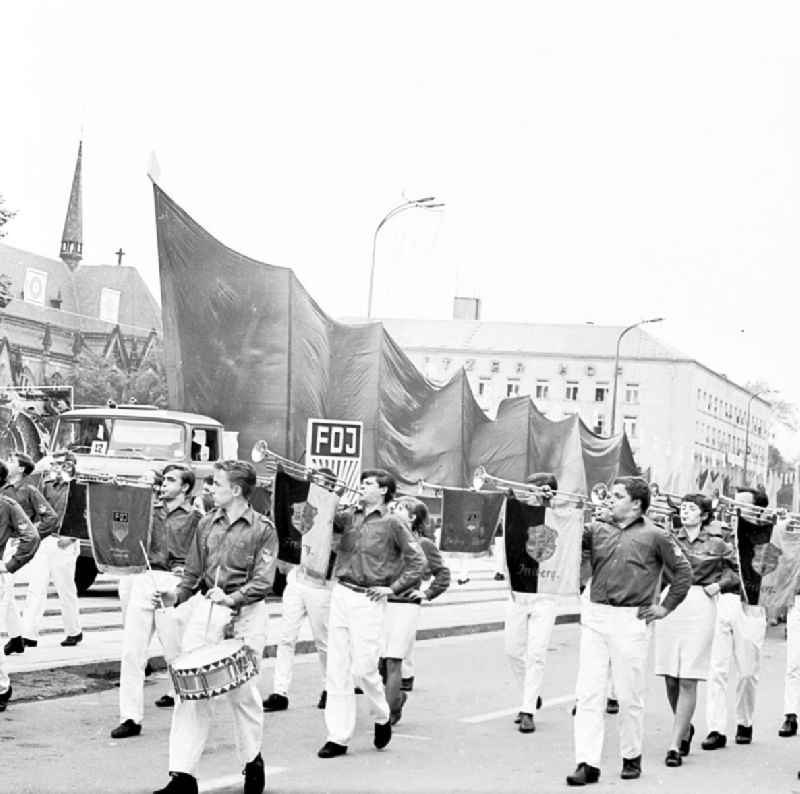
pixel 466 308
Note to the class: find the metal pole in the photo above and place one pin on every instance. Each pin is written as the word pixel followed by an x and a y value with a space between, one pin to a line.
pixel 747 438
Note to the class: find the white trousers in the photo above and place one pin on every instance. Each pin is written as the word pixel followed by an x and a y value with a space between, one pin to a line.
pixel 301 599
pixel 8 604
pixel 355 637
pixel 791 694
pixel 499 555
pixel 191 719
pixel 615 635
pixel 733 641
pixel 6 584
pixel 52 562
pixel 141 621
pixel 408 663
pixel 530 618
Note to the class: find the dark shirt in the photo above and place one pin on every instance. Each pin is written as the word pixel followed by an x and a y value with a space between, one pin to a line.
pixel 56 493
pixel 712 559
pixel 240 557
pixel 171 535
pixel 15 524
pixel 627 563
pixel 30 499
pixel 434 567
pixel 377 550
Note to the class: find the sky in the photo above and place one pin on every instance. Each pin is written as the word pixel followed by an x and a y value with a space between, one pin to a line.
pixel 599 162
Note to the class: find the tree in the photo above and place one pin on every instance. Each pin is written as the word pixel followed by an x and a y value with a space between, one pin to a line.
pixel 783 410
pixel 5 215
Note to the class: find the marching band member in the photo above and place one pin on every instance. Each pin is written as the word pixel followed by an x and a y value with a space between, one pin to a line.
pixel 56 558
pixel 377 557
pixel 627 555
pixel 791 691
pixel 15 479
pixel 173 529
pixel 403 609
pixel 13 524
pixel 683 638
pixel 730 641
pixel 229 571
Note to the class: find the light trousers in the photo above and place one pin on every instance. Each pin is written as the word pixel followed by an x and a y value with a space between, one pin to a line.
pixel 791 694
pixel 301 598
pixel 6 584
pixel 191 719
pixel 142 619
pixel 355 637
pixel 56 563
pixel 733 641
pixel 8 604
pixel 499 555
pixel 530 618
pixel 610 635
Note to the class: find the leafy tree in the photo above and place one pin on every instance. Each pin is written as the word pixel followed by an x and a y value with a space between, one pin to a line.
pixel 97 379
pixel 5 215
pixel 783 410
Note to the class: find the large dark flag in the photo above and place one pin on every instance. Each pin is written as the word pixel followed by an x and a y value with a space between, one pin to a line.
pixel 290 499
pixel 758 557
pixel 469 520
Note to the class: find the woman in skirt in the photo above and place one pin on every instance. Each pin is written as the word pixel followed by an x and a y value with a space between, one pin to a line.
pixel 683 638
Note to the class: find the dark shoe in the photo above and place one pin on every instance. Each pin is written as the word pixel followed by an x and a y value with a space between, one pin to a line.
pixel 789 727
pixel 148 670
pixel 744 734
pixel 538 703
pixel 179 783
pixel 686 744
pixel 72 640
pixel 254 778
pixel 30 643
pixel 499 577
pixel 358 690
pixel 714 741
pixel 631 768
pixel 14 645
pixel 395 715
pixel 612 706
pixel 526 724
pixel 165 702
pixel 331 750
pixel 126 729
pixel 383 734
pixel 673 758
pixel 462 581
pixel 574 709
pixel 583 774
pixel 276 702
pixel 323 700
pixel 4 698
pixel 407 684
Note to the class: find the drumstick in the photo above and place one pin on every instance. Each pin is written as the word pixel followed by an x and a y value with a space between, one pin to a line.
pixel 150 571
pixel 210 609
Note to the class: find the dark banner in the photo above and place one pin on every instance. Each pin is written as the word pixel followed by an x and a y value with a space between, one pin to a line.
pixel 525 531
pixel 469 520
pixel 74 525
pixel 120 519
pixel 290 499
pixel 757 556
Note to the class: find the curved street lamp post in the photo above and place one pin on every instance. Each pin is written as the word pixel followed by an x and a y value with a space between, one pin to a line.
pixel 747 431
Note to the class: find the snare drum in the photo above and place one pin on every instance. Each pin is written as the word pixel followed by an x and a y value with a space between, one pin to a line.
pixel 213 670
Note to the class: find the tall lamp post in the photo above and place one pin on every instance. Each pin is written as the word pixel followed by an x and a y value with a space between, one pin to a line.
pixel 616 368
pixel 747 432
pixel 427 203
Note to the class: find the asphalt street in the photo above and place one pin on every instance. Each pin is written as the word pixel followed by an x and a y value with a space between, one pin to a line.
pixel 457 735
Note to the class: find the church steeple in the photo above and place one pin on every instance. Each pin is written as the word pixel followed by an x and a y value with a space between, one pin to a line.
pixel 72 238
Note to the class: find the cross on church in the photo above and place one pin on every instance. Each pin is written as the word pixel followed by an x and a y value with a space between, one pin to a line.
pixel 119 254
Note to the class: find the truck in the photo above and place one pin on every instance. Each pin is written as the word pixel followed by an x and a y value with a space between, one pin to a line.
pixel 129 441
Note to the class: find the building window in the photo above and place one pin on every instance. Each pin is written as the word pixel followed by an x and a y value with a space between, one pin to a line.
pixel 632 393
pixel 35 286
pixel 572 390
pixel 512 388
pixel 630 423
pixel 601 393
pixel 495 367
pixel 600 424
pixel 483 387
pixel 542 389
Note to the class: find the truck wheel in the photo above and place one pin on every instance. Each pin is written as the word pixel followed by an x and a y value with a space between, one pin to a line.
pixel 85 574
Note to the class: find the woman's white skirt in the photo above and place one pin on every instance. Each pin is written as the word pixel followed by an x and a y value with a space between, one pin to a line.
pixel 683 638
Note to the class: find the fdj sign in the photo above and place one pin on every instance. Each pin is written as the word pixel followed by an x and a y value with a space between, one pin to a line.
pixel 334 439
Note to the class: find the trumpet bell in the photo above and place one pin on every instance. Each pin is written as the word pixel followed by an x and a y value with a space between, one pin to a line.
pixel 479 478
pixel 260 451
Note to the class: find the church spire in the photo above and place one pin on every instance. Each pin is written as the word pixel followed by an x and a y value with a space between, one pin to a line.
pixel 72 238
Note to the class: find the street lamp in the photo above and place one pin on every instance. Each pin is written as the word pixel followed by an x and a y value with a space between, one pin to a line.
pixel 747 432
pixel 427 203
pixel 616 368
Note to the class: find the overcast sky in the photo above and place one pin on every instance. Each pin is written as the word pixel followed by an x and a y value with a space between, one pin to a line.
pixel 600 161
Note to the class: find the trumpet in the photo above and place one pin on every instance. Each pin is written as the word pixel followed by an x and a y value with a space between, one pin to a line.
pixel 523 489
pixel 748 511
pixel 261 453
pixel 132 480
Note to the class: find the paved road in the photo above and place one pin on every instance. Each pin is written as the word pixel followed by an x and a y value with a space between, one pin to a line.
pixel 457 735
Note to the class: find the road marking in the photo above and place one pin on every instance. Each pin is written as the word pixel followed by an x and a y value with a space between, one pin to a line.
pixel 496 715
pixel 411 736
pixel 227 781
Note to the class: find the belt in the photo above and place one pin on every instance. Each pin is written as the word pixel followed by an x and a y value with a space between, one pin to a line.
pixel 356 588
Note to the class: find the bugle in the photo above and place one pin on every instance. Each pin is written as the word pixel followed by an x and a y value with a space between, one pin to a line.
pixel 481 477
pixel 748 511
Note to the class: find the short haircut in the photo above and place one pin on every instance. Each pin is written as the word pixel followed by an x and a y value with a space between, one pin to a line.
pixel 637 489
pixel 654 486
pixel 599 486
pixel 384 480
pixel 704 503
pixel 26 462
pixel 418 512
pixel 240 473
pixel 760 498
pixel 543 478
pixel 208 479
pixel 186 474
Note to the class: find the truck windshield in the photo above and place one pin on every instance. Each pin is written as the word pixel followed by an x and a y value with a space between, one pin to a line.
pixel 126 438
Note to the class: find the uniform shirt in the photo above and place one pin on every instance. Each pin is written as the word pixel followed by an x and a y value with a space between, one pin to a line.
pixel 244 554
pixel 712 559
pixel 15 524
pixel 30 499
pixel 377 550
pixel 55 493
pixel 433 567
pixel 627 562
pixel 172 535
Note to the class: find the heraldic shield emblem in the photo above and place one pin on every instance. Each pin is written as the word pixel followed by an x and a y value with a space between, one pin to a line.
pixel 541 542
pixel 472 521
pixel 765 558
pixel 119 525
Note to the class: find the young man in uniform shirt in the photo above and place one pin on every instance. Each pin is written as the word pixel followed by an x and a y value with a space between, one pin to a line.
pixel 375 545
pixel 627 555
pixel 229 571
pixel 13 524
pixel 16 484
pixel 172 533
